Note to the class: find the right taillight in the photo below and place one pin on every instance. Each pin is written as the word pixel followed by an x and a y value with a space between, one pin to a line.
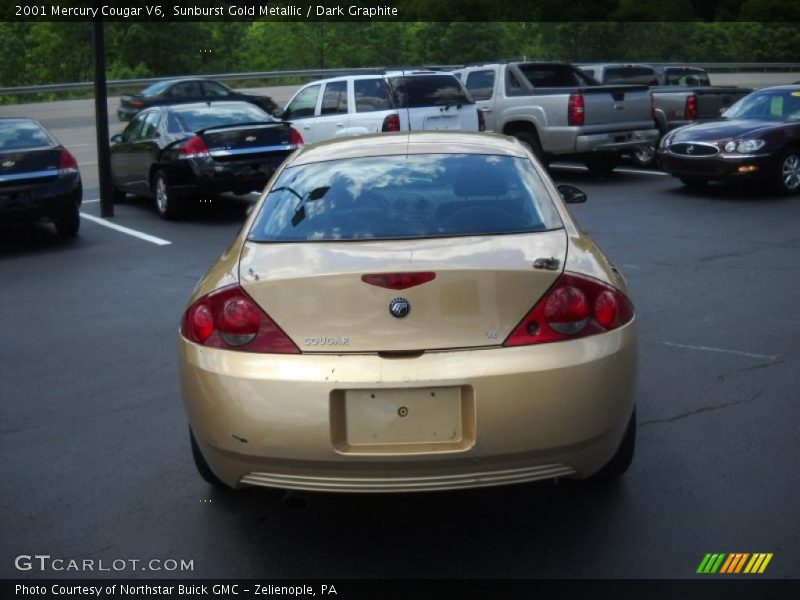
pixel 575 306
pixel 391 123
pixel 295 139
pixel 575 110
pixel 66 163
pixel 228 318
pixel 690 110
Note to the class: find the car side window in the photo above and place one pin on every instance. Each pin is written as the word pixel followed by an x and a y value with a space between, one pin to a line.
pixel 150 127
pixel 133 131
pixel 481 84
pixel 371 95
pixel 303 104
pixel 334 99
pixel 513 86
pixel 212 88
pixel 186 89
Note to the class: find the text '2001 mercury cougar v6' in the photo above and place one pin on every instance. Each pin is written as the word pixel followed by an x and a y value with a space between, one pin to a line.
pixel 410 312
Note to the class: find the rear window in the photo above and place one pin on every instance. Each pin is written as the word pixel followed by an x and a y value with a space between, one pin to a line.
pixel 18 135
pixel 554 75
pixel 405 197
pixel 686 77
pixel 427 90
pixel 155 89
pixel 631 75
pixel 206 117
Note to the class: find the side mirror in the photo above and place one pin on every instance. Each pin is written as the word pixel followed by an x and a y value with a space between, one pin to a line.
pixel 279 113
pixel 571 194
pixel 117 138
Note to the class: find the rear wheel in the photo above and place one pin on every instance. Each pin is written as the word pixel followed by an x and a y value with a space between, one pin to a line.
pixel 601 165
pixel 68 222
pixel 787 180
pixel 202 466
pixel 531 141
pixel 645 156
pixel 622 458
pixel 167 205
pixel 694 184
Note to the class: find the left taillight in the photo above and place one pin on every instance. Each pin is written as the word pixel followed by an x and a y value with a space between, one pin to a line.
pixel 67 163
pixel 193 148
pixel 574 307
pixel 228 318
pixel 576 111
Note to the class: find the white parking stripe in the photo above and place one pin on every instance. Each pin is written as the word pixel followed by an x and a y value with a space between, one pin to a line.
pixel 617 170
pixel 132 232
pixel 723 350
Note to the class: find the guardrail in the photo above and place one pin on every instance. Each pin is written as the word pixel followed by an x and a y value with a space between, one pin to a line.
pixel 313 73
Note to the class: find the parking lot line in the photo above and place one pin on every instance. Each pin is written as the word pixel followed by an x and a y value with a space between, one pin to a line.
pixel 127 230
pixel 723 350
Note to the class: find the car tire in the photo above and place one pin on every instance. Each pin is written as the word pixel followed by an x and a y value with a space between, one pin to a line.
pixel 645 156
pixel 68 223
pixel 167 205
pixel 531 142
pixel 622 458
pixel 601 165
pixel 694 184
pixel 202 466
pixel 787 178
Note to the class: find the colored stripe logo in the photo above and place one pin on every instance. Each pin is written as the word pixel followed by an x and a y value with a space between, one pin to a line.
pixel 734 563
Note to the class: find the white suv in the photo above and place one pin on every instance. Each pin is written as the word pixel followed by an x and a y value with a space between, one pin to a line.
pixel 390 101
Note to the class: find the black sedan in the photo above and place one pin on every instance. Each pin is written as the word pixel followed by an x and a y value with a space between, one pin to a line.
pixel 39 178
pixel 181 91
pixel 178 153
pixel 757 138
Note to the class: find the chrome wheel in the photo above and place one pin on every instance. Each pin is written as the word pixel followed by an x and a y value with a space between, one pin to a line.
pixel 790 172
pixel 162 195
pixel 644 155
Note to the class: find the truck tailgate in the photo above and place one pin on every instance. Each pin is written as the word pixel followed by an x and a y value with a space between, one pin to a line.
pixel 624 106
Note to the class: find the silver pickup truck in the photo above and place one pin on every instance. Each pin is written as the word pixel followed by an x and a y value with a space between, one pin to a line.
pixel 682 95
pixel 557 111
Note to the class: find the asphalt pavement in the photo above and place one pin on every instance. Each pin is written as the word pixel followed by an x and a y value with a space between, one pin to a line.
pixel 94 442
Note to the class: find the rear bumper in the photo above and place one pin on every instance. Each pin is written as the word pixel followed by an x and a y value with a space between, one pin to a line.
pixel 528 413
pixel 718 168
pixel 30 202
pixel 615 141
pixel 206 176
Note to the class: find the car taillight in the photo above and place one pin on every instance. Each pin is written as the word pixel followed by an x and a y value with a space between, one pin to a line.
pixel 295 139
pixel 398 281
pixel 391 123
pixel 690 110
pixel 67 163
pixel 574 307
pixel 575 110
pixel 228 318
pixel 481 121
pixel 195 146
pixel 137 103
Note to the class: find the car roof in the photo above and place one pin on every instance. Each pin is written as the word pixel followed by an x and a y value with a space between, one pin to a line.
pixel 421 142
pixel 208 105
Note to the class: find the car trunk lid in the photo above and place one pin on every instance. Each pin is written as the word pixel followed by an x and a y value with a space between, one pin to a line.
pixel 251 140
pixel 483 287
pixel 28 166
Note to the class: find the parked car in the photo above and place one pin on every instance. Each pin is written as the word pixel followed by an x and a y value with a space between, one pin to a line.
pixel 399 100
pixel 39 178
pixel 175 153
pixel 185 90
pixel 757 138
pixel 682 95
pixel 556 110
pixel 408 313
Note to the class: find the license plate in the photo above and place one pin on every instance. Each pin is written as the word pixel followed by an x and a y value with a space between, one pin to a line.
pixel 403 416
pixel 441 123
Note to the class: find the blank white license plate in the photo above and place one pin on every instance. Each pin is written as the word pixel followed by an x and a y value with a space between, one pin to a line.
pixel 441 123
pixel 403 416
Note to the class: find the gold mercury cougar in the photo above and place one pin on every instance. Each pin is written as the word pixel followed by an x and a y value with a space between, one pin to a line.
pixel 410 312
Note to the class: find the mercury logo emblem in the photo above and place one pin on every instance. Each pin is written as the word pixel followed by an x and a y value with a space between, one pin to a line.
pixel 250 138
pixel 399 307
pixel 8 164
pixel 689 149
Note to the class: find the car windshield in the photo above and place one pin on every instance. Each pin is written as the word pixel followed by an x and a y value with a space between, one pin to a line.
pixel 405 197
pixel 18 135
pixel 155 89
pixel 196 118
pixel 770 105
pixel 427 90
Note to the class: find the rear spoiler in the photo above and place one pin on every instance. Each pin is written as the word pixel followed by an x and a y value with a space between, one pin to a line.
pixel 250 125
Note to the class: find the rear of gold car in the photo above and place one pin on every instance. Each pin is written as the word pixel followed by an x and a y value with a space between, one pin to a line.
pixel 375 358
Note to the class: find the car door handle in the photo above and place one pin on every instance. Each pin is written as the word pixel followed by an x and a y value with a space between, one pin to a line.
pixel 486 109
pixel 306 126
pixel 340 124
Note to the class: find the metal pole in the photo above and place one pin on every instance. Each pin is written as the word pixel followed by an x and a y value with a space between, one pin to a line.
pixel 101 120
